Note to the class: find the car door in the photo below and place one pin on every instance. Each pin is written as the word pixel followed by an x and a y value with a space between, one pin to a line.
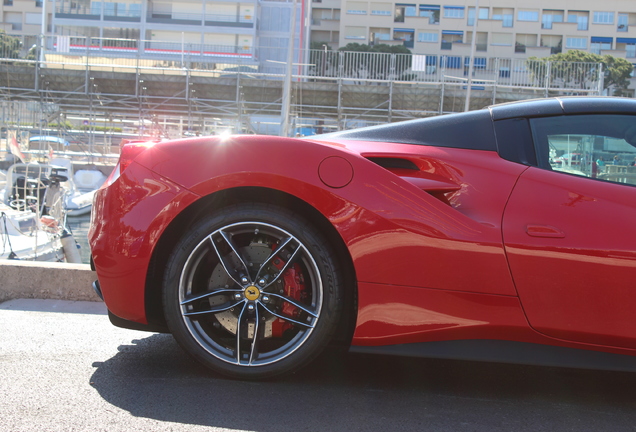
pixel 569 231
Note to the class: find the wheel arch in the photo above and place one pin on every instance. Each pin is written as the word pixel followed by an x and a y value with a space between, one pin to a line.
pixel 189 216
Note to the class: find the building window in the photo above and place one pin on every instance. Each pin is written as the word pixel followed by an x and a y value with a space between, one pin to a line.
pixel 623 22
pixel 428 37
pixel 379 34
pixel 527 15
pixel 603 18
pixel 404 10
pixel 452 62
pixel 405 35
pixel 551 16
pixel 358 33
pixel 523 41
pixel 33 18
pixel 431 12
pixel 449 37
pixel 600 43
pixel 96 8
pixel 453 11
pixel 38 3
pixel 134 10
pixel 629 46
pixel 555 43
pixel 503 14
pixel 581 18
pixel 357 8
pixel 576 43
pixel 8 2
pixel 483 15
pixel 381 12
pixel 478 62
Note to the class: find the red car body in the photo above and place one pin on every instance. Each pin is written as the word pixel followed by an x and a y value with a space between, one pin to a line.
pixel 459 248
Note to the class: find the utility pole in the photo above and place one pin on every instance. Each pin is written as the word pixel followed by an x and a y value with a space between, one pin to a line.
pixel 286 102
pixel 43 30
pixel 472 57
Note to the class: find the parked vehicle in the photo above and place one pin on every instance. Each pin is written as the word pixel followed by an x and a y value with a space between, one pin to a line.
pixel 447 237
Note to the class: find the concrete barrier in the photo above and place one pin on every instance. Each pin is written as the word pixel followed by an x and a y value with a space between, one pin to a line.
pixel 43 280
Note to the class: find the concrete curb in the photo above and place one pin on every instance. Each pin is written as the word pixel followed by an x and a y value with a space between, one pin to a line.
pixel 43 280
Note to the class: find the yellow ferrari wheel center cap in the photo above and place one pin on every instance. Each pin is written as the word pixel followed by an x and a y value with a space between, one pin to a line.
pixel 252 293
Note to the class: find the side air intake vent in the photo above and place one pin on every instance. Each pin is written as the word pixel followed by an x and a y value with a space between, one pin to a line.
pixel 394 163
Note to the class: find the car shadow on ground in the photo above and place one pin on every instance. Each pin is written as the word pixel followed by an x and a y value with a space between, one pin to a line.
pixel 154 378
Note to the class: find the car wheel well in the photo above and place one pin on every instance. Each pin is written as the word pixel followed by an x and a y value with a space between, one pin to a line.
pixel 189 216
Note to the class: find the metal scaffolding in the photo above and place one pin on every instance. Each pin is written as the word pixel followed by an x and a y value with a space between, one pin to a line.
pixel 147 88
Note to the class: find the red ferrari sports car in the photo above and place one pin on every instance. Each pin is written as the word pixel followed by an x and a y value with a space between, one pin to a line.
pixel 455 236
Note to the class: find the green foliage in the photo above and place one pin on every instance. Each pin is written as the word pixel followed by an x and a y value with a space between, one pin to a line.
pixel 617 73
pixel 62 125
pixel 381 48
pixel 573 67
pixel 319 46
pixel 9 46
pixel 99 128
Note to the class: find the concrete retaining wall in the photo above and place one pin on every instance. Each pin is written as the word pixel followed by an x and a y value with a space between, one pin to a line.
pixel 42 280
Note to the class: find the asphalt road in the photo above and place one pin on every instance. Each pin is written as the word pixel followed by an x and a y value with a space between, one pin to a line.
pixel 63 367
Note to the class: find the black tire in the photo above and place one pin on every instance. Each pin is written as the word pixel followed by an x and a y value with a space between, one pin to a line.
pixel 253 291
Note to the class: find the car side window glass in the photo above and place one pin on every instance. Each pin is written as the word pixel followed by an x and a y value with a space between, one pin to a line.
pixel 599 146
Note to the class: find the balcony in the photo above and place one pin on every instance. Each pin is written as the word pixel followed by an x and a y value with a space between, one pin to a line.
pixel 177 18
pixel 246 21
pixel 537 51
pixel 327 24
pixel 80 12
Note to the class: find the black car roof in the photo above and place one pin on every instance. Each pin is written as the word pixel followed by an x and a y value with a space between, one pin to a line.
pixel 474 129
pixel 563 105
pixel 471 130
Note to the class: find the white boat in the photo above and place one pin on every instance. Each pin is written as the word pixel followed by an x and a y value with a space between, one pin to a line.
pixel 80 187
pixel 33 217
pixel 24 237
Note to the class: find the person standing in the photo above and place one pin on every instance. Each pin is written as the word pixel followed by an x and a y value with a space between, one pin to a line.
pixel 600 164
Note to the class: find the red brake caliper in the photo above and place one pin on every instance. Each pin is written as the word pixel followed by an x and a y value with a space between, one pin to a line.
pixel 294 288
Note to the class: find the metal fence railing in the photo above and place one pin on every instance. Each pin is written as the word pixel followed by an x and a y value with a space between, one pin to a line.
pixel 310 65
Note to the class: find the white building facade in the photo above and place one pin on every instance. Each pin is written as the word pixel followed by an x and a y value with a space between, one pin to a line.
pixel 505 28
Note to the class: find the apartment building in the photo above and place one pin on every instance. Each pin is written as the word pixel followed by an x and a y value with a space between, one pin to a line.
pixel 207 26
pixel 214 23
pixel 23 19
pixel 505 28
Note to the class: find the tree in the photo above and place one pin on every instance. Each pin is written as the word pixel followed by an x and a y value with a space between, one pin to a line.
pixel 9 46
pixel 575 69
pixel 617 74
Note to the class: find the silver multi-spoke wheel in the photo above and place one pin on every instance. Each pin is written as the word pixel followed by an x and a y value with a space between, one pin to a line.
pixel 250 295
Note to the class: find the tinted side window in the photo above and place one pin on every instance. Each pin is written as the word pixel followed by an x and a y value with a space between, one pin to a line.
pixel 597 146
